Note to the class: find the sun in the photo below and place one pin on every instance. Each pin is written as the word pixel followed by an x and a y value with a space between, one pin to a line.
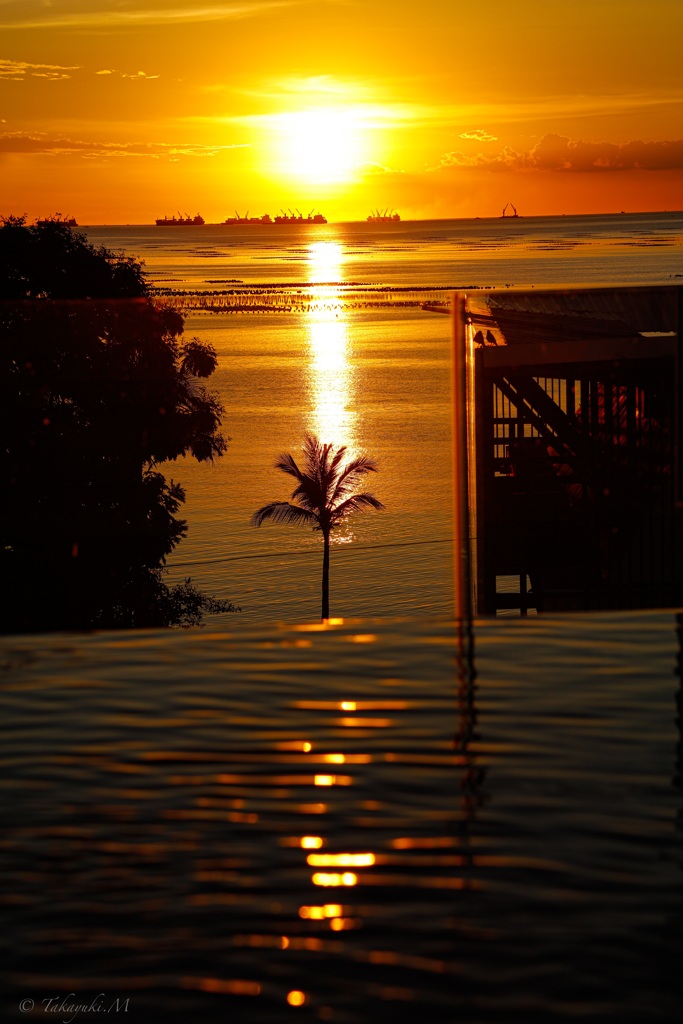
pixel 320 147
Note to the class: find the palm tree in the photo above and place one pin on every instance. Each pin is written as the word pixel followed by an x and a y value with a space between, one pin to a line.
pixel 324 495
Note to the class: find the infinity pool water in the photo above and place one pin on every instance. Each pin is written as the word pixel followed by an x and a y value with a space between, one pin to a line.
pixel 374 821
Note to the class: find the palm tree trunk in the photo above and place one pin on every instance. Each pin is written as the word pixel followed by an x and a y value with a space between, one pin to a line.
pixel 326 576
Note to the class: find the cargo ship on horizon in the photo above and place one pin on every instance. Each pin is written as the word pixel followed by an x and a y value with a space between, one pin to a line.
pixel 57 219
pixel 180 221
pixel 379 217
pixel 281 218
pixel 298 218
pixel 247 220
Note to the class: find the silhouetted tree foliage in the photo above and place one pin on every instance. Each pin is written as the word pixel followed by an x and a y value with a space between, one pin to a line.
pixel 97 389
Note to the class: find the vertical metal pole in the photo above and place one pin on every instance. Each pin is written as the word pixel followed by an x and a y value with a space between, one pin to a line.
pixel 678 410
pixel 677 458
pixel 473 414
pixel 461 532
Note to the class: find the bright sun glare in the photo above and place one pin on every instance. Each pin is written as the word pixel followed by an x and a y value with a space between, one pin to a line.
pixel 319 146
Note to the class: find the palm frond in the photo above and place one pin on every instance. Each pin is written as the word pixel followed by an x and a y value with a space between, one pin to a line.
pixel 338 457
pixel 284 512
pixel 352 472
pixel 356 503
pixel 321 464
pixel 286 463
pixel 310 494
pixel 312 450
pixel 361 464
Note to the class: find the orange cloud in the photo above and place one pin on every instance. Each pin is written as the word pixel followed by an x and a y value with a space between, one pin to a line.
pixel 21 142
pixel 479 135
pixel 559 153
pixel 16 70
pixel 139 75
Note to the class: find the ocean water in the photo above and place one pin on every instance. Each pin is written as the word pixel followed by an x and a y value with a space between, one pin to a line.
pixel 453 254
pixel 322 329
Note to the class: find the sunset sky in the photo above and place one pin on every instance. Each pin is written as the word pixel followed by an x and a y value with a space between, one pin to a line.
pixel 120 111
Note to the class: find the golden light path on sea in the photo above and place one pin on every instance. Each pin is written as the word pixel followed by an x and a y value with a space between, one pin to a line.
pixel 330 374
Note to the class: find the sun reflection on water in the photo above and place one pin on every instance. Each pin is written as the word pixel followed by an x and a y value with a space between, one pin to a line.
pixel 330 375
pixel 325 261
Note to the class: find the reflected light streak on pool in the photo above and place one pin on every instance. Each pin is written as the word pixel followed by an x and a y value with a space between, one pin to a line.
pixel 327 878
pixel 340 860
pixel 318 913
pixel 311 842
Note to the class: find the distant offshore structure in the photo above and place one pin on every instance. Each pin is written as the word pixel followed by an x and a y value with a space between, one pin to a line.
pixel 379 217
pixel 505 211
pixel 58 219
pixel 282 218
pixel 180 221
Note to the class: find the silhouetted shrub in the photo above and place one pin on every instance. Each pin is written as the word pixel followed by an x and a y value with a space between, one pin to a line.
pixel 98 388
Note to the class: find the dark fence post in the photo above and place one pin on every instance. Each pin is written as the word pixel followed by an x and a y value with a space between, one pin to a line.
pixel 461 519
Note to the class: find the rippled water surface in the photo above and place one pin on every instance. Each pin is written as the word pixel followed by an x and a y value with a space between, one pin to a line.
pixel 392 824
